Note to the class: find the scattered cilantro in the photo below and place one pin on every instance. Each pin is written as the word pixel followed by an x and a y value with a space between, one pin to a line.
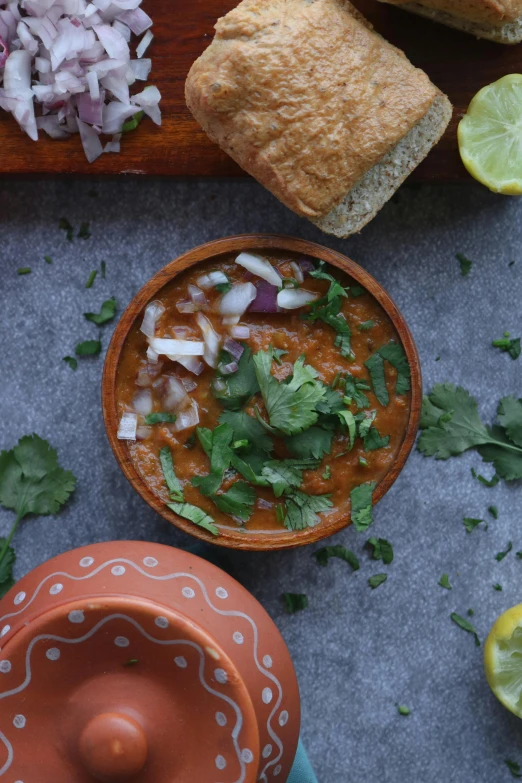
pixel 394 354
pixel 24 270
pixel 465 264
pixel 328 310
pixel 497 587
pixel 314 442
pixel 451 425
pixel 302 509
pixel 513 766
pixel 376 580
pixel 354 389
pixel 365 326
pixel 88 348
pixel 361 500
pixel 324 554
pixel 238 501
pixel 71 361
pixel 493 510
pixel 84 232
pixel 348 420
pixel 470 613
pixel 508 345
pixel 133 122
pixel 171 480
pixel 445 582
pixel 196 515
pixel 470 524
pixel 437 358
pixel 501 555
pixel 103 268
pixel 492 482
pixel 131 662
pixel 381 549
pixel 245 427
pixel 402 710
pixel 327 473
pixel 294 602
pixel 64 225
pixel 160 418
pixel 280 512
pixel 357 290
pixel 278 353
pixel 374 440
pixel 465 625
pixel 223 288
pixel 375 366
pixel 92 278
pixel 106 314
pixel 284 475
pixel 31 482
pixel 363 462
pixel 240 385
pixel 48 259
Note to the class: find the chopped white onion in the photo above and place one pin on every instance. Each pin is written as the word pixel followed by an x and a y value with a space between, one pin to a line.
pixel 153 313
pixel 114 144
pixel 127 427
pixel 259 267
pixel 190 363
pixel 176 398
pixel 236 301
pixel 137 20
pixel 204 282
pixel 187 418
pixel 240 332
pixel 92 145
pixel 262 503
pixel 292 298
pixel 170 347
pixel 143 378
pixel 212 279
pixel 184 306
pixel 152 356
pixel 220 385
pixel 189 384
pixel 227 369
pixel 142 433
pixel 298 272
pixel 141 68
pixel 144 44
pixel 231 320
pixel 142 402
pixel 181 332
pixel 211 338
pixel 197 296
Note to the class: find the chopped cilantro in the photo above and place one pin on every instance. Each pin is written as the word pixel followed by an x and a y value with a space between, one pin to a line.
pixel 381 550
pixel 513 766
pixel 328 310
pixel 445 582
pixel 131 662
pixel 240 385
pixel 278 353
pixel 361 500
pixel 92 278
pixel 470 524
pixel 24 270
pixel 245 427
pixel 64 225
pixel 103 268
pixel 223 288
pixel 376 580
pixel 365 326
pixel 106 314
pixel 160 418
pixel 402 710
pixel 348 419
pixel 493 510
pixel 84 232
pixel 374 440
pixel 31 482
pixel 48 259
pixel 169 474
pixel 335 383
pixel 314 442
pixel 354 389
pixel 302 509
pixel 465 264
pixel 133 122
pixel 501 555
pixel 88 348
pixel 508 345
pixel 196 515
pixel 327 473
pixel 363 462
pixel 295 602
pixel 324 554
pixel 284 475
pixel 497 587
pixel 375 366
pixel 470 612
pixel 451 425
pixel 492 482
pixel 71 361
pixel 394 354
pixel 357 290
pixel 238 501
pixel 465 625
pixel 280 512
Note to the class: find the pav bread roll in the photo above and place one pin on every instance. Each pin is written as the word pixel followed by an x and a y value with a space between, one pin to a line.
pixel 319 108
pixel 497 20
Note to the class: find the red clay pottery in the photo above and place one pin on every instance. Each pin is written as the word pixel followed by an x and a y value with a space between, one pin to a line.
pixel 129 661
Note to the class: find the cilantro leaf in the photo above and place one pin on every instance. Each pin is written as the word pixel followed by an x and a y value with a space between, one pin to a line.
pixel 314 442
pixel 331 403
pixel 302 509
pixel 394 354
pixel 470 524
pixel 92 278
pixel 238 501
pixel 509 345
pixel 216 444
pixel 375 366
pixel 324 554
pixel 171 480
pixel 365 326
pixel 353 389
pixel 444 582
pixel 328 309
pixel 106 314
pixel 465 264
pixel 465 625
pixel 402 710
pixel 64 225
pixel 84 232
pixel 493 510
pixel 196 515
pixel 223 288
pixel 374 440
pixel 514 768
pixel 376 580
pixel 278 353
pixel 382 550
pixel 48 259
pixel 241 385
pixel 450 421
pixel 497 587
pixel 88 348
pixel 492 482
pixel 24 270
pixel 348 419
pixel 506 457
pixel 283 475
pixel 361 500
pixel 160 418
pixel 295 602
pixel 509 414
pixel 501 555
pixel 245 427
pixel 71 361
pixel 6 567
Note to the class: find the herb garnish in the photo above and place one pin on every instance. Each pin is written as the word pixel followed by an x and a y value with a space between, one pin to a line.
pixel 508 345
pixel 84 232
pixel 31 482
pixel 238 501
pixel 394 354
pixel 465 625
pixel 402 710
pixel 223 288
pixel 501 555
pixel 160 418
pixel 376 580
pixel 88 348
pixel 328 309
pixel 492 482
pixel 451 425
pixel 186 510
pixel 48 259
pixel 24 270
pixel 514 768
pixel 324 554
pixel 92 278
pixel 66 226
pixel 106 314
pixel 361 500
pixel 167 466
pixel 295 602
pixel 365 326
pixel 71 361
pixel 465 264
pixel 381 549
pixel 103 267
pixel 493 510
pixel 241 385
pixel 445 582
pixel 470 524
pixel 497 587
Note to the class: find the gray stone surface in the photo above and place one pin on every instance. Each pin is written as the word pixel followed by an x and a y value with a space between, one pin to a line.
pixel 358 652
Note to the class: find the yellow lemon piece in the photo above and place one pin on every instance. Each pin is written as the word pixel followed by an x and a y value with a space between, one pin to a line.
pixel 490 136
pixel 503 659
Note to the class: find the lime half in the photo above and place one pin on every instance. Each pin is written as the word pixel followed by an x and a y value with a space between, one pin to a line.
pixel 490 136
pixel 503 659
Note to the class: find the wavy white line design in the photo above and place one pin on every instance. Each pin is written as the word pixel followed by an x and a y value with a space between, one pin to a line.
pixel 163 642
pixel 222 612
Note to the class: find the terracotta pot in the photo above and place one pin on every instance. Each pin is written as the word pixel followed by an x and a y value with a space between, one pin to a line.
pixel 129 661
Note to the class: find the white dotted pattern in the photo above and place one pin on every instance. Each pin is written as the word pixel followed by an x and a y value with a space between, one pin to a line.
pixel 220 762
pixel 55 589
pixel 181 662
pixel 150 562
pixel 118 570
pixel 53 653
pixel 162 622
pixel 221 676
pixel 277 770
pixel 247 755
pixel 85 562
pixel 221 719
pixel 76 616
pixel 267 662
pixel 19 597
pixel 267 695
pixel 221 593
pixel 5 630
pixel 19 721
pixel 5 667
pixel 188 592
pixel 238 637
pixel 267 751
pixel 283 718
pixel 121 641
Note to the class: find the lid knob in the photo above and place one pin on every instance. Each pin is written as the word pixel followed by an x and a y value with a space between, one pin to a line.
pixel 113 747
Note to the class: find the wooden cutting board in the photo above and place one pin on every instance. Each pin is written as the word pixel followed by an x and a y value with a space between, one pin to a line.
pixel 456 62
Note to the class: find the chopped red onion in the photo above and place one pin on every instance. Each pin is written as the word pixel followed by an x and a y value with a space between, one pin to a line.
pixel 4 52
pixel 293 298
pixel 265 504
pixel 169 347
pixel 17 85
pixel 240 332
pixel 307 266
pixel 234 349
pixel 137 20
pixel 94 86
pixel 123 29
pixel 220 385
pixel 143 377
pixel 187 418
pixel 127 427
pixel 227 369
pixel 154 368
pixel 175 398
pixel 151 316
pixel 184 306
pixel 144 44
pixel 211 338
pixel 142 402
pixel 189 384
pixel 148 100
pixel 259 267
pixel 51 125
pixel 90 110
pixel 266 298
pixel 92 145
pixel 236 301
pixel 197 296
pixel 141 68
pixel 142 433
pixel 190 363
pixel 298 272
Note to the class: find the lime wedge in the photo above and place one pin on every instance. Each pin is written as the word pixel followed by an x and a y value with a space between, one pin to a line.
pixel 490 136
pixel 503 659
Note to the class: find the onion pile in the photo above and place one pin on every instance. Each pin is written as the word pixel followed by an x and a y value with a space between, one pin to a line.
pixel 71 59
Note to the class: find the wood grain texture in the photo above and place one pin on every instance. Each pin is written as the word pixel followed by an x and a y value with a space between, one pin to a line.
pixel 150 291
pixel 457 63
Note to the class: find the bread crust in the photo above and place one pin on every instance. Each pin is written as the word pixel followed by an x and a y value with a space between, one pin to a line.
pixel 492 12
pixel 305 96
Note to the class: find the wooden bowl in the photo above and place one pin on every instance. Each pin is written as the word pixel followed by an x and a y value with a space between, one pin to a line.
pixel 210 251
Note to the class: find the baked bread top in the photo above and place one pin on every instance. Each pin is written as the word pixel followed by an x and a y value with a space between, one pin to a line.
pixel 305 96
pixel 494 12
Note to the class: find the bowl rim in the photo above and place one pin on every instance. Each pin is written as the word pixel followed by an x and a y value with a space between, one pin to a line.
pixel 231 538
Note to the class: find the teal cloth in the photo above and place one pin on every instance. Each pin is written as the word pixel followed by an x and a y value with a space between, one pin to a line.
pixel 302 771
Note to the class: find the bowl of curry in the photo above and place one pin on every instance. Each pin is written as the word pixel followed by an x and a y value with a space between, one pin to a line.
pixel 262 392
